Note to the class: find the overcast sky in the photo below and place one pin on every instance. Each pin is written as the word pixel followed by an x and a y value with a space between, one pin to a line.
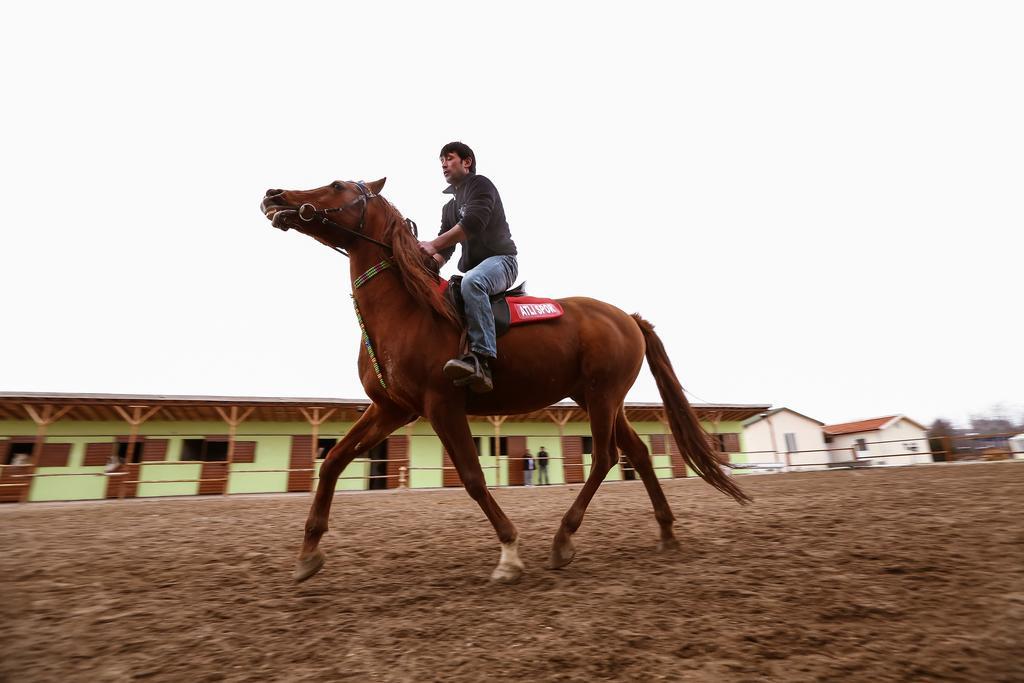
pixel 818 204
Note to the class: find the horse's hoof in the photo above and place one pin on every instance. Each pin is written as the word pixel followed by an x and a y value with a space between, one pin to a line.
pixel 668 544
pixel 506 573
pixel 562 555
pixel 308 566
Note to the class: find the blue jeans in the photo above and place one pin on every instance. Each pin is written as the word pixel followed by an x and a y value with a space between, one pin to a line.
pixel 493 275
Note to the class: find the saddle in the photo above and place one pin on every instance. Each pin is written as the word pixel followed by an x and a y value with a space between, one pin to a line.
pixel 511 307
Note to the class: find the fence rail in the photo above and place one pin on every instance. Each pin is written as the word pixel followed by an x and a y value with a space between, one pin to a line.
pixel 762 460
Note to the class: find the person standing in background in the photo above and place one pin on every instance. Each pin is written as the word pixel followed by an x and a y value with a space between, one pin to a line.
pixel 542 463
pixel 528 467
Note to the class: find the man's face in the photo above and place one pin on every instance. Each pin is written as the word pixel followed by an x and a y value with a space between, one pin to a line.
pixel 455 168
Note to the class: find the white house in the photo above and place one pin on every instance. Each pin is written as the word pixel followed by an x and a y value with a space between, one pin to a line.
pixel 889 440
pixel 1017 446
pixel 785 436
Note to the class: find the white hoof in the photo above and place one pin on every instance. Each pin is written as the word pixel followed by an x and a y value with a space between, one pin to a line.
pixel 510 567
pixel 506 573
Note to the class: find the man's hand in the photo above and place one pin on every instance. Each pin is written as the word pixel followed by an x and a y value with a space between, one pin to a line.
pixel 428 248
pixel 440 260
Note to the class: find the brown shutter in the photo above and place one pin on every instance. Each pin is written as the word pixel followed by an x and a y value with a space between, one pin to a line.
pixel 572 459
pixel 5 448
pixel 398 456
pixel 9 475
pixel 55 455
pixel 450 475
pixel 657 444
pixel 302 480
pixel 245 451
pixel 516 450
pixel 154 450
pixel 97 454
pixel 214 476
pixel 676 458
pixel 731 443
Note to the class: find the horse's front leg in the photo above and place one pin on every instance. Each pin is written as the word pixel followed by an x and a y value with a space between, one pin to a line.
pixel 453 430
pixel 369 430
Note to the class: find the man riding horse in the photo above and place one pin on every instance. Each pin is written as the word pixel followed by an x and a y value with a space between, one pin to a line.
pixel 474 218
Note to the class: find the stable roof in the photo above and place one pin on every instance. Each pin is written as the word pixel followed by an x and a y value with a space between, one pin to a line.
pixel 103 407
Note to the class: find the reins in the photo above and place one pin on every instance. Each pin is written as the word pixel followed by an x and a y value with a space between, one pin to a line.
pixel 308 213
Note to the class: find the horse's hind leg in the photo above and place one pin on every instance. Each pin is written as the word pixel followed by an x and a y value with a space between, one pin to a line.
pixel 602 427
pixel 636 450
pixel 453 430
pixel 370 429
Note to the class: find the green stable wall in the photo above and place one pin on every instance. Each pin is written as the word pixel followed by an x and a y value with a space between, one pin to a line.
pixel 273 448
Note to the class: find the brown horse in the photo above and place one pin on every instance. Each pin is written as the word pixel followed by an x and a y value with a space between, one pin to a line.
pixel 591 354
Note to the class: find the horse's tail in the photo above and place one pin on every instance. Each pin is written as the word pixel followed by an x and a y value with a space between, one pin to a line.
pixel 686 430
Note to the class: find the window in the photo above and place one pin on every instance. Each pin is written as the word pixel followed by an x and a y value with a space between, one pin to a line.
pixel 323 446
pixel 791 443
pixel 122 451
pixel 862 445
pixel 20 454
pixel 502 444
pixel 204 450
pixel 588 445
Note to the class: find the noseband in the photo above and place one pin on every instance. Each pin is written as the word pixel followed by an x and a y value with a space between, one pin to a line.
pixel 309 212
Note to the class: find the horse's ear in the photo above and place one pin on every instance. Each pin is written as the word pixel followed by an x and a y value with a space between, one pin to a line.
pixel 377 185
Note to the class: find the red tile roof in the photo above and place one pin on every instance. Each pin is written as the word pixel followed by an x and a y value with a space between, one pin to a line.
pixel 859 426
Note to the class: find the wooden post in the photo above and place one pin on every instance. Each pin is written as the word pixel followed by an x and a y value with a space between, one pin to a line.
pixel 48 417
pixel 136 418
pixel 669 441
pixel 496 421
pixel 315 420
pixel 560 419
pixel 947 445
pixel 233 419
pixel 718 446
pixel 405 473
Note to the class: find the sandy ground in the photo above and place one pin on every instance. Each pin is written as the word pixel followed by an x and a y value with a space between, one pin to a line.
pixel 905 574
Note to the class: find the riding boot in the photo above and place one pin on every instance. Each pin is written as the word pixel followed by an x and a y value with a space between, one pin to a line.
pixel 472 370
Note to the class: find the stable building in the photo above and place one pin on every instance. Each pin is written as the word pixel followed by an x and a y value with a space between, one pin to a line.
pixel 56 446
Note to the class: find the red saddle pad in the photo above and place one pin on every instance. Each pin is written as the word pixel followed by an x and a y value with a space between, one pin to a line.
pixel 528 309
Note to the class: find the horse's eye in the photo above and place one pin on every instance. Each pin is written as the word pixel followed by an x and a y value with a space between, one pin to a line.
pixel 337 186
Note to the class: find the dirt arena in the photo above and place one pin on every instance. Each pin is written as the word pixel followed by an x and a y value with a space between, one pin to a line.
pixel 904 574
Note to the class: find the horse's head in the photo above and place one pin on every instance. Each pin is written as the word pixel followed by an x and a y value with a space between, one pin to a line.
pixel 334 214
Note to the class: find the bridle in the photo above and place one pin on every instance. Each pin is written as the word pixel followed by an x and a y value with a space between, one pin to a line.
pixel 309 212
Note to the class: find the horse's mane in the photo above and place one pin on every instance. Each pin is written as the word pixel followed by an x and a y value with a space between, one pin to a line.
pixel 418 280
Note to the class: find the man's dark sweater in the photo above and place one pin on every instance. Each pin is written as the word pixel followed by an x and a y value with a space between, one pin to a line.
pixel 477 206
